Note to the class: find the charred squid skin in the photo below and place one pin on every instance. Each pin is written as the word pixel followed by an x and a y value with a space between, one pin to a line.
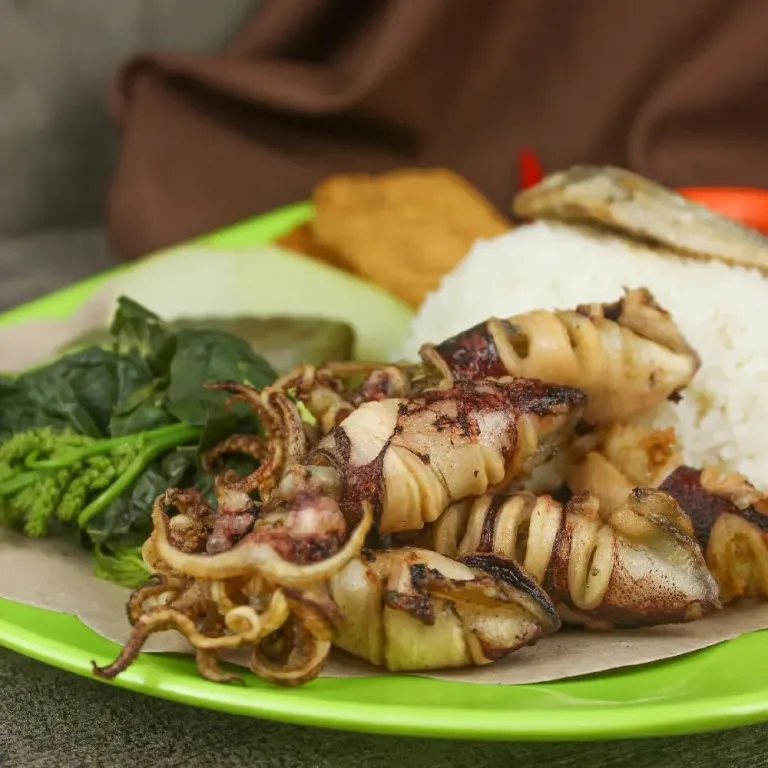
pixel 411 609
pixel 467 356
pixel 730 520
pixel 704 508
pixel 509 572
pixel 637 565
pixel 629 355
pixel 496 348
pixel 413 458
pixel 646 585
pixel 727 515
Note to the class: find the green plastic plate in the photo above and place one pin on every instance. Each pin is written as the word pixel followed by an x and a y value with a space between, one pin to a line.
pixel 716 688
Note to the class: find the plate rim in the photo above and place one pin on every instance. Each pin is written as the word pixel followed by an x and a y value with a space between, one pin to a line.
pixel 621 721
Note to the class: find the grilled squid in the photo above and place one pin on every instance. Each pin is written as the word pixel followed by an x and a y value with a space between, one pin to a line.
pixel 628 357
pixel 729 515
pixel 413 458
pixel 627 457
pixel 402 461
pixel 631 566
pixel 406 610
pixel 412 609
pixel 286 633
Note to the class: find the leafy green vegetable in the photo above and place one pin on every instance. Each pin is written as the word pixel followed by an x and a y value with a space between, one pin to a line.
pixel 53 475
pixel 89 441
pixel 143 409
pixel 284 342
pixel 136 329
pixel 204 357
pixel 121 565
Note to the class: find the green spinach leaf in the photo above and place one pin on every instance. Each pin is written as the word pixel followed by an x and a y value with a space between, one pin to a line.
pixel 135 328
pixel 78 391
pixel 207 357
pixel 120 565
pixel 144 409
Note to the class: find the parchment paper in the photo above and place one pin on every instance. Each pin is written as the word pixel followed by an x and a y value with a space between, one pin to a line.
pixel 56 575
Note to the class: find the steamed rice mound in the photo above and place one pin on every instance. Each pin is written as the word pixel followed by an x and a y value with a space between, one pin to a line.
pixel 722 311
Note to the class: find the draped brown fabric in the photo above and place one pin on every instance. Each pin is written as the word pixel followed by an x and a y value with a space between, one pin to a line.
pixel 674 89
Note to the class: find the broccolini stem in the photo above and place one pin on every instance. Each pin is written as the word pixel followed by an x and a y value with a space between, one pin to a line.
pixel 18 482
pixel 164 437
pixel 182 434
pixel 109 444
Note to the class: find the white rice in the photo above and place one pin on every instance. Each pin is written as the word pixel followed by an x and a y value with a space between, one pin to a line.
pixel 721 310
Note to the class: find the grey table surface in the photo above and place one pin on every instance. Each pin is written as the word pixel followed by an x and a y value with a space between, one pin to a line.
pixel 52 718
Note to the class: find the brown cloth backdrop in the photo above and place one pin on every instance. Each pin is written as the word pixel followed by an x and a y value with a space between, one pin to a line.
pixel 675 89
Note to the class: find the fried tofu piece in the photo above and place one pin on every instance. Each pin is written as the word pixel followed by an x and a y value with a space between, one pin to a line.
pixel 301 239
pixel 403 230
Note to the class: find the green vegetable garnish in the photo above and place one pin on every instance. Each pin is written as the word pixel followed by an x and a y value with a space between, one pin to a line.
pixel 284 342
pixel 121 565
pixel 89 441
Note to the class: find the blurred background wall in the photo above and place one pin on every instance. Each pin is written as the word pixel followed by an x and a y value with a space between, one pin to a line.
pixel 57 144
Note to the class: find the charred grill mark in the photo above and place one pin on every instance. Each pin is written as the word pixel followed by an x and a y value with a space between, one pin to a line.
pixel 562 495
pixel 518 395
pixel 583 428
pixel 305 550
pixel 535 396
pixel 492 652
pixel 466 418
pixel 554 583
pixel 703 508
pixel 489 523
pixel 509 572
pixel 418 606
pixel 472 354
pixel 676 396
pixel 754 517
pixel 343 444
pixel 614 311
pixel 366 483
